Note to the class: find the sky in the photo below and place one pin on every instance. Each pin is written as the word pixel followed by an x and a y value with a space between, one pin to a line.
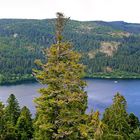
pixel 83 10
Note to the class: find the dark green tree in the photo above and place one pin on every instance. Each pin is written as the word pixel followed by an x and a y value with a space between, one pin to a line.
pixel 117 118
pixel 12 112
pixel 135 135
pixel 135 127
pixel 24 124
pixel 133 121
pixel 12 109
pixel 62 104
pixel 2 122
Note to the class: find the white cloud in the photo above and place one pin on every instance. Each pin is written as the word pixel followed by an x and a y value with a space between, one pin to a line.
pixel 108 10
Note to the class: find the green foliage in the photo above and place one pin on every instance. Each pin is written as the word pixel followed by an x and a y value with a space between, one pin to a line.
pixel 96 128
pixel 2 121
pixel 117 118
pixel 133 121
pixel 15 125
pixel 62 104
pixel 24 124
pixel 67 122
pixel 22 41
pixel 12 112
pixel 12 109
pixel 135 135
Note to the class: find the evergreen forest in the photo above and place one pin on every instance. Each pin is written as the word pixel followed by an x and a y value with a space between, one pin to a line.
pixel 108 49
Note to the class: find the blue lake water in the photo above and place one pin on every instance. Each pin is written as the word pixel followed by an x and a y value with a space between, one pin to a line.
pixel 100 93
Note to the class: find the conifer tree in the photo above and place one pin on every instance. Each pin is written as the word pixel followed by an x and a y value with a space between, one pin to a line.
pixel 116 117
pixel 135 127
pixel 135 135
pixel 24 124
pixel 134 122
pixel 2 122
pixel 95 128
pixel 12 112
pixel 12 109
pixel 62 104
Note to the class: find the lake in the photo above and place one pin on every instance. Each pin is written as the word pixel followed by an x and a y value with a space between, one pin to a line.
pixel 100 93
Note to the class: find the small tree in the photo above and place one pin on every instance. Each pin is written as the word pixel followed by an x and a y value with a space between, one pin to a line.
pixel 12 112
pixel 134 122
pixel 62 104
pixel 116 117
pixel 2 122
pixel 24 124
pixel 96 129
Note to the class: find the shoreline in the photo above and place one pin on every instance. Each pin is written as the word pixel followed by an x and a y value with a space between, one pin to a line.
pixel 86 77
pixel 113 78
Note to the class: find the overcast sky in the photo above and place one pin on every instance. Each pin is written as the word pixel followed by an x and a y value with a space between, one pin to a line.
pixel 107 10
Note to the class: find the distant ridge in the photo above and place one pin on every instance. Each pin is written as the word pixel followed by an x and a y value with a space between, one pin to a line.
pixel 109 49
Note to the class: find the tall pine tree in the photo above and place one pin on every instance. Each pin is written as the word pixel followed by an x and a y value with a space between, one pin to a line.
pixel 62 104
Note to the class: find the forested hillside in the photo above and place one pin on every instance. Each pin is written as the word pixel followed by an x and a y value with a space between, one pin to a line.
pixel 109 49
